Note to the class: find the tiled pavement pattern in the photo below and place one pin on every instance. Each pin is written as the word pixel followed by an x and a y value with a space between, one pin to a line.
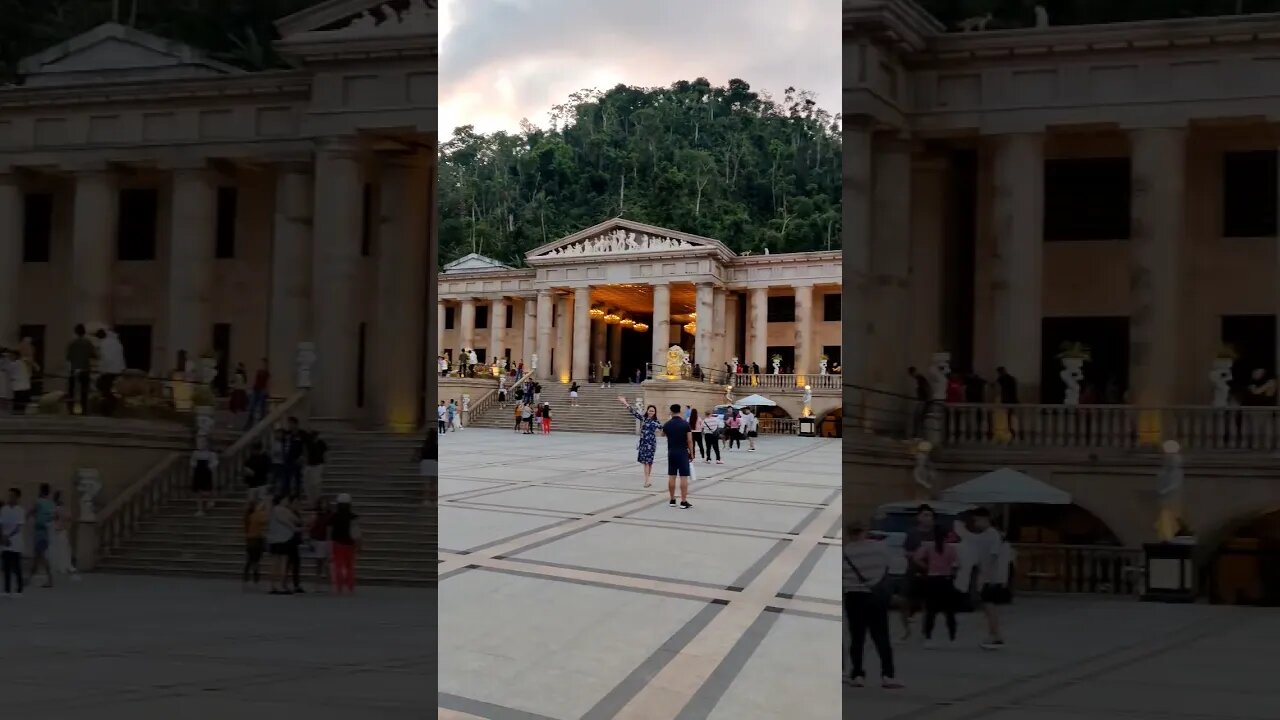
pixel 1091 659
pixel 568 591
pixel 116 647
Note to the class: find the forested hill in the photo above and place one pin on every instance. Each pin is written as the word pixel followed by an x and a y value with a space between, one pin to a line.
pixel 724 162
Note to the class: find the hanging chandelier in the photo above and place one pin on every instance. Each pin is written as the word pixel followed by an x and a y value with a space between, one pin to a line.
pixel 691 327
pixel 640 327
pixel 612 319
pixel 596 313
pixel 626 322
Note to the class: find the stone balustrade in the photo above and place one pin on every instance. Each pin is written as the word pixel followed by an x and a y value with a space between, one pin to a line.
pixel 786 382
pixel 1195 428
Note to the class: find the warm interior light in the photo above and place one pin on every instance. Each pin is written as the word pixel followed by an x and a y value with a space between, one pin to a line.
pixel 691 327
pixel 596 313
pixel 640 327
pixel 612 319
pixel 626 322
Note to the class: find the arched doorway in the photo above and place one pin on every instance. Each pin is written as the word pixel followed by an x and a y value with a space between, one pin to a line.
pixel 1244 568
pixel 831 423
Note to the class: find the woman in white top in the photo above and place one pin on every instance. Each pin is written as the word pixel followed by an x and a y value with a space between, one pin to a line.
pixel 281 528
pixel 18 371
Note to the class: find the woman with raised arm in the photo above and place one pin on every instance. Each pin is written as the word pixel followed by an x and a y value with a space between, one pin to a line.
pixel 648 445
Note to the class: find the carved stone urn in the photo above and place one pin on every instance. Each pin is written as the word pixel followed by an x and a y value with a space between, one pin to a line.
pixel 1220 377
pixel 1072 373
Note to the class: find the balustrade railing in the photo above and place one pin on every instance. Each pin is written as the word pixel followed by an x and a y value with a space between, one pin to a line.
pixel 479 405
pixel 778 426
pixel 762 381
pixel 119 520
pixel 1106 426
pixel 1078 569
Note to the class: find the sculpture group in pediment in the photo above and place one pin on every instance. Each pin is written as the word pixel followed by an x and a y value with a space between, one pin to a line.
pixel 620 241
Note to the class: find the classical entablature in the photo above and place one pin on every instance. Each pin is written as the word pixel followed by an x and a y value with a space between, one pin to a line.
pixel 905 71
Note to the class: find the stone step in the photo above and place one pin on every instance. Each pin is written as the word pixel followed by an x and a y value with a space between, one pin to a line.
pixel 226 547
pixel 364 576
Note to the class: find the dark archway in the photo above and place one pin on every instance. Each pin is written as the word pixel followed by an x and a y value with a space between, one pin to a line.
pixel 1243 567
pixel 831 423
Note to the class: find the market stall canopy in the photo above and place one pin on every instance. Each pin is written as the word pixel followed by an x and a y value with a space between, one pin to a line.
pixel 1006 485
pixel 754 401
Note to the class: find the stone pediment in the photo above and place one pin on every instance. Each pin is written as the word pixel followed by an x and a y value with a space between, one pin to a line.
pixel 624 237
pixel 474 262
pixel 112 53
pixel 360 20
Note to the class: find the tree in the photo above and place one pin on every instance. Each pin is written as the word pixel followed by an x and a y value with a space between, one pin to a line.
pixel 725 162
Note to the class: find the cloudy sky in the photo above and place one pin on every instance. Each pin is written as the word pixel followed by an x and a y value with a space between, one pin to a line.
pixel 503 60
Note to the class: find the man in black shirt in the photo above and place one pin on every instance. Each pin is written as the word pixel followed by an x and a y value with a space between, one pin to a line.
pixel 924 393
pixel 679 454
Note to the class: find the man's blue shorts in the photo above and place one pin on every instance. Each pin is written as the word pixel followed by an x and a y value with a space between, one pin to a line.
pixel 678 464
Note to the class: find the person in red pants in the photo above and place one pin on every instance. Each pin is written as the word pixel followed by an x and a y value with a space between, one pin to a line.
pixel 344 541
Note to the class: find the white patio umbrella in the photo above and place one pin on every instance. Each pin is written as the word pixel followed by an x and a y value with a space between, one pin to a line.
pixel 754 401
pixel 1005 486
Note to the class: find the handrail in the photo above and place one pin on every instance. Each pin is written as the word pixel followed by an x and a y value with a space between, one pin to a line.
pixel 121 517
pixel 477 406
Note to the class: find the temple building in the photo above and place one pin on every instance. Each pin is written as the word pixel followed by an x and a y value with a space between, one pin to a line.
pixel 194 206
pixel 624 293
pixel 1011 195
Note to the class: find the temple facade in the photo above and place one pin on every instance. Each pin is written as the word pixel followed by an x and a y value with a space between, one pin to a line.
pixel 282 215
pixel 624 293
pixel 1014 196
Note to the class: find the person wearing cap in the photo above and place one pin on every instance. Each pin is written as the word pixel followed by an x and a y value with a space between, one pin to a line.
pixel 344 537
pixel 866 604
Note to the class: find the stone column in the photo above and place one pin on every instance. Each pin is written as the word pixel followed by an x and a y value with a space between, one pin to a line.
pixel 497 327
pixel 730 348
pixel 719 332
pixel 661 323
pixel 335 266
pixel 442 309
pixel 599 345
pixel 192 221
pixel 615 347
pixel 1018 227
pixel 856 203
pixel 397 349
pixel 11 220
pixel 758 329
pixel 92 247
pixel 564 338
pixel 1159 223
pixel 806 359
pixel 290 320
pixel 704 338
pixel 581 340
pixel 888 297
pixel 467 324
pixel 529 346
pixel 545 310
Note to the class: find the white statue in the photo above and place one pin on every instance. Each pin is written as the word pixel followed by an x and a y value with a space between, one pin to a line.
pixel 977 23
pixel 466 402
pixel 676 359
pixel 777 365
pixel 1042 17
pixel 204 423
pixel 1169 492
pixel 88 485
pixel 502 363
pixel 822 366
pixel 1220 376
pixel 533 362
pixel 728 394
pixel 472 359
pixel 939 374
pixel 1072 373
pixel 808 396
pixel 922 474
pixel 305 359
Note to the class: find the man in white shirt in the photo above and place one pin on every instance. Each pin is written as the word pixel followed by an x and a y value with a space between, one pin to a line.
pixel 984 570
pixel 110 366
pixel 11 520
pixel 441 411
pixel 750 425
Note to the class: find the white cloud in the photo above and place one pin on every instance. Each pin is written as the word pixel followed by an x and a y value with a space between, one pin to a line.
pixel 503 60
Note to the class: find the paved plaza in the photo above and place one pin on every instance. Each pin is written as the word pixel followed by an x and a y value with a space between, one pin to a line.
pixel 568 591
pixel 116 647
pixel 1091 659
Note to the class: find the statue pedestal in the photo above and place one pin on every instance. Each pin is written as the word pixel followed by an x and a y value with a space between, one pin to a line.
pixel 86 549
pixel 1170 572
pixel 807 427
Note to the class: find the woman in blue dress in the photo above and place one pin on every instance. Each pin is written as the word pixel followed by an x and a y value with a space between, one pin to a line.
pixel 648 436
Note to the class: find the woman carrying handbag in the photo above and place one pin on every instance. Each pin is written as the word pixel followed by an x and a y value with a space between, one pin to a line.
pixel 867 596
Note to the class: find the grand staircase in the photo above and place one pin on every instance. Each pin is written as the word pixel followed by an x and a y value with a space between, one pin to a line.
pixel 598 410
pixel 378 470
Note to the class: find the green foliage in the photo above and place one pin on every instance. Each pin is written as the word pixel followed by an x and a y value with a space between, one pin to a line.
pixel 1020 13
pixel 239 32
pixel 724 162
